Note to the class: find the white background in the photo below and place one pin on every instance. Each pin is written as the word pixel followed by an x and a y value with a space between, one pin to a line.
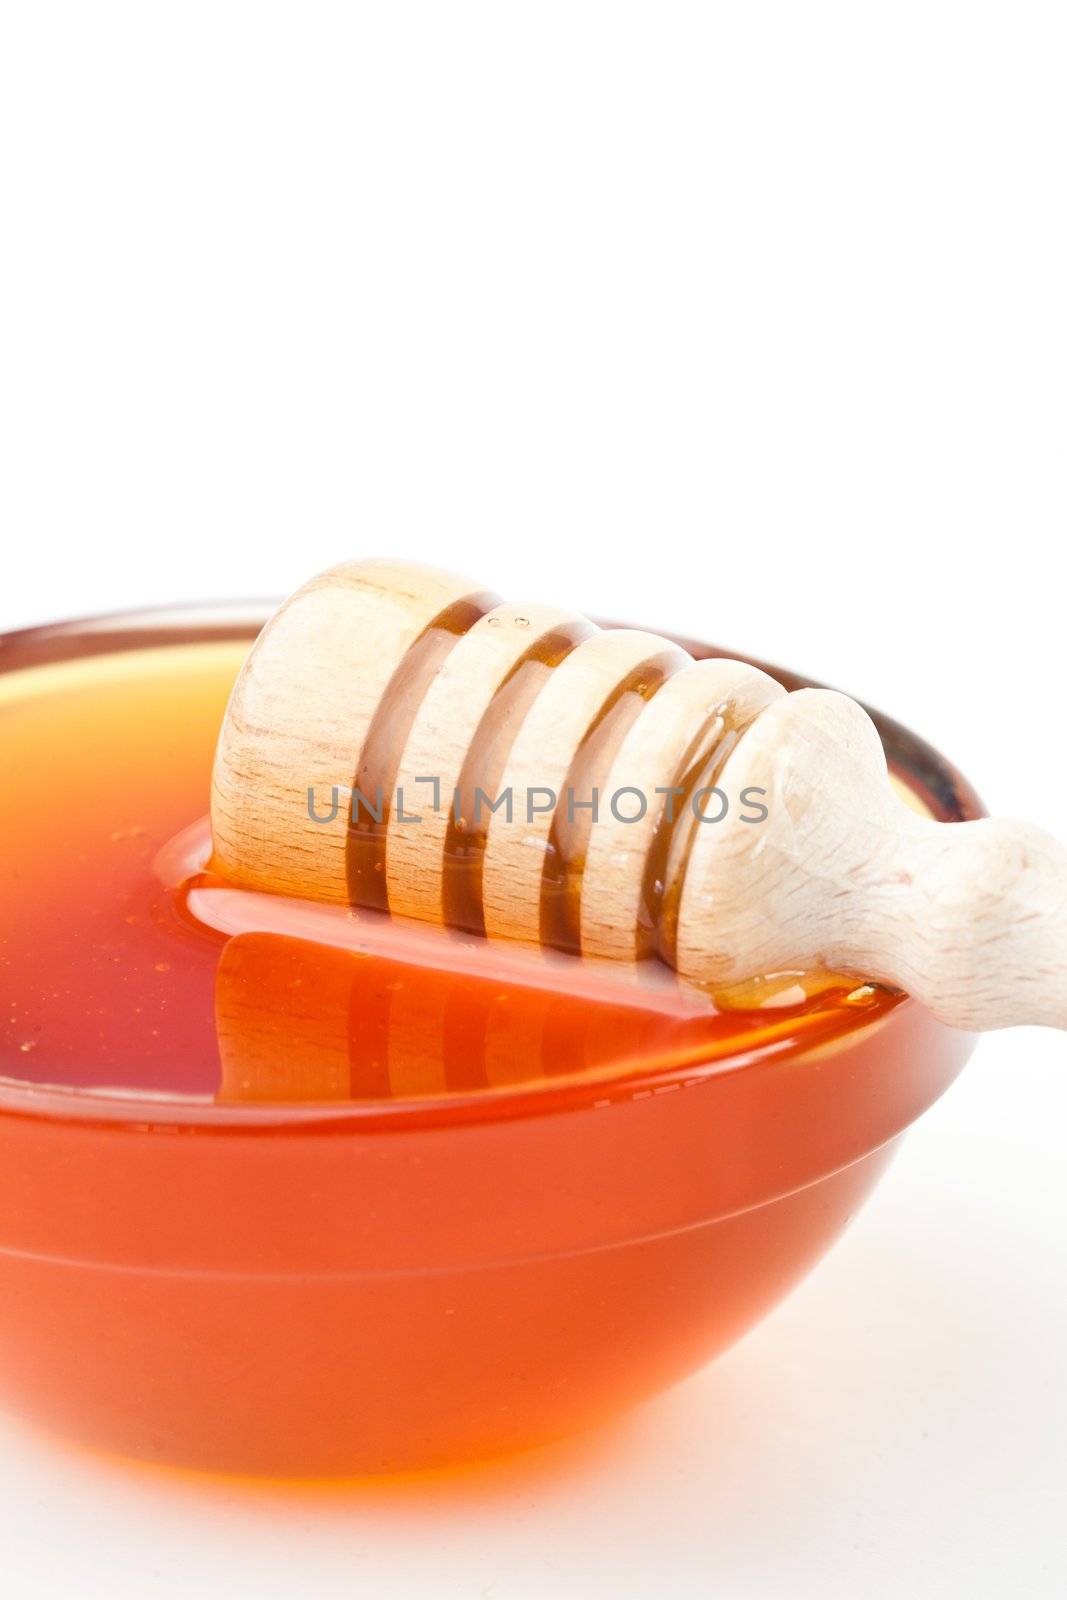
pixel 748 321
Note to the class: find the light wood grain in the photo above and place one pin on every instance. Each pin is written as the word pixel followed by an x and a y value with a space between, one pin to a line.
pixel 971 918
pixel 689 715
pixel 839 873
pixel 540 761
pixel 458 699
pixel 300 712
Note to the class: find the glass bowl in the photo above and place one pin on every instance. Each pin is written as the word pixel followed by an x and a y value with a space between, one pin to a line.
pixel 313 1289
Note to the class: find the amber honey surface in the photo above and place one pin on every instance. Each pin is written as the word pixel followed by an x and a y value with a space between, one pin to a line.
pixel 112 979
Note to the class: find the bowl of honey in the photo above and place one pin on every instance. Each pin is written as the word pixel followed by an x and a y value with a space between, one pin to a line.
pixel 294 1190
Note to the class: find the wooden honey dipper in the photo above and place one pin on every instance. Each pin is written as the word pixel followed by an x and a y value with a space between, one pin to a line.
pixel 387 708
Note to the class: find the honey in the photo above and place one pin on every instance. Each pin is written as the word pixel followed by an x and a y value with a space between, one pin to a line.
pixel 298 1188
pixel 112 980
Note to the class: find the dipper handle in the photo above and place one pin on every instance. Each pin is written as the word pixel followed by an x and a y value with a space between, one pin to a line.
pixel 400 738
pixel 970 918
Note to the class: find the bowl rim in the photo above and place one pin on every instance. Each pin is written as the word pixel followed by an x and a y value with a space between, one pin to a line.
pixel 918 764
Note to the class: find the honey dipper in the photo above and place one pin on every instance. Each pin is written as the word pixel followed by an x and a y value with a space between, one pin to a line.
pixel 387 708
